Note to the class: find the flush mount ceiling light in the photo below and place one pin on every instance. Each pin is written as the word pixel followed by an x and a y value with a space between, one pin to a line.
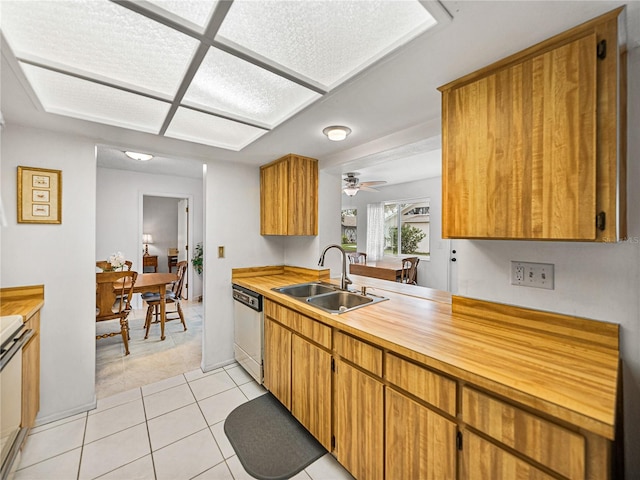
pixel 142 157
pixel 161 66
pixel 337 133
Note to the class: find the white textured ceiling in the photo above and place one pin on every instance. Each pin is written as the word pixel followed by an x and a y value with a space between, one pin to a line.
pixel 219 73
pixel 392 104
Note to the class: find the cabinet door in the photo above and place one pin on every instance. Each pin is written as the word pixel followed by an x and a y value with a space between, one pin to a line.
pixel 483 460
pixel 303 196
pixel 519 156
pixel 31 373
pixel 277 361
pixel 311 389
pixel 419 442
pixel 359 423
pixel 274 194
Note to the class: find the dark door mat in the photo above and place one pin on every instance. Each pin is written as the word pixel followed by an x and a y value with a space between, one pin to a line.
pixel 271 444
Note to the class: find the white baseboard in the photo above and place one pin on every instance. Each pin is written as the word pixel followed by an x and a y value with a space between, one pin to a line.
pixel 40 420
pixel 224 363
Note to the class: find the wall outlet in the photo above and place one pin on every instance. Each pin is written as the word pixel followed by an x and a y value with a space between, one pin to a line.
pixel 527 274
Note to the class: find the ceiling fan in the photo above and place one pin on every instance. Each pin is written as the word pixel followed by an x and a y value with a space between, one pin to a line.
pixel 353 184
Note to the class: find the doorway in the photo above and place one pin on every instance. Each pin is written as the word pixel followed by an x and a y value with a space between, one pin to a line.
pixel 166 221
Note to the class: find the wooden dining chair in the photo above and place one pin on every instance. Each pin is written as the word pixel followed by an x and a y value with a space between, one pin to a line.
pixel 172 296
pixel 114 291
pixel 357 257
pixel 410 270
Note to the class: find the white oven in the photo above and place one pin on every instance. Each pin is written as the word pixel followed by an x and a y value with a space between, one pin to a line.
pixel 13 336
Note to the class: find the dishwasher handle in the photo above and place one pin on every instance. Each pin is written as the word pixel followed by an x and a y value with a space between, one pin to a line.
pixel 248 298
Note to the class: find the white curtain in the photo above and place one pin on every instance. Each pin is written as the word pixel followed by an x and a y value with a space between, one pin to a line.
pixel 375 231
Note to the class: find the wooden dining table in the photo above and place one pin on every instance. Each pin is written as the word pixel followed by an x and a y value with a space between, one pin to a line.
pixel 386 269
pixel 156 283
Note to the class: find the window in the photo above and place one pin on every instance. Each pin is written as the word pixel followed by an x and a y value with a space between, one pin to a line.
pixel 406 227
pixel 349 229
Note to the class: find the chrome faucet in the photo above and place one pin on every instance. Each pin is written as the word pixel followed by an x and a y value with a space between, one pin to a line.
pixel 344 280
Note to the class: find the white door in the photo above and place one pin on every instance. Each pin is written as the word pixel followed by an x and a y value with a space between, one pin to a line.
pixel 183 238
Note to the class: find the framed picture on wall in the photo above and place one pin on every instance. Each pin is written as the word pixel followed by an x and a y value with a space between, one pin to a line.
pixel 39 195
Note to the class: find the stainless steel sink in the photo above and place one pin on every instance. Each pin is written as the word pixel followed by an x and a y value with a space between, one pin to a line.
pixel 305 290
pixel 328 297
pixel 338 302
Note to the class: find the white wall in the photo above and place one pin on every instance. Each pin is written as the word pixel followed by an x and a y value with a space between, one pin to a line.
pixel 600 281
pixel 119 196
pixel 160 219
pixel 232 196
pixel 432 272
pixel 305 251
pixel 59 256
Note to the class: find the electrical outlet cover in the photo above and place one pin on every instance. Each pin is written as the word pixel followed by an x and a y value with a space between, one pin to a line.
pixel 529 274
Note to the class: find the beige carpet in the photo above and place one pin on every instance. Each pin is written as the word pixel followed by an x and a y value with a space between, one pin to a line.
pixel 149 360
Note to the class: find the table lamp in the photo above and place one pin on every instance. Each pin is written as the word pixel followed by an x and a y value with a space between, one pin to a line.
pixel 146 239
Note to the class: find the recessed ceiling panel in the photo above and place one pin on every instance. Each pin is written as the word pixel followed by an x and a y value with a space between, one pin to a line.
pixel 99 37
pixel 195 11
pixel 325 41
pixel 225 83
pixel 200 127
pixel 73 97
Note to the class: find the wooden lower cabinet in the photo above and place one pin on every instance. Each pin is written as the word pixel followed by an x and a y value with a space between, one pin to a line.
pixel 483 460
pixel 359 422
pixel 311 388
pixel 419 442
pixel 31 373
pixel 277 361
pixel 394 418
pixel 544 442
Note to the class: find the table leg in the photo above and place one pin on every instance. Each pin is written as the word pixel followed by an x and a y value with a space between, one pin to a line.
pixel 163 311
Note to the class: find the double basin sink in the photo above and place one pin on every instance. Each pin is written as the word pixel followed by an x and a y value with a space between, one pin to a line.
pixel 329 297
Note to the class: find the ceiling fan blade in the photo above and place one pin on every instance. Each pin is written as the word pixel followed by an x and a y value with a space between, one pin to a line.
pixel 368 189
pixel 369 184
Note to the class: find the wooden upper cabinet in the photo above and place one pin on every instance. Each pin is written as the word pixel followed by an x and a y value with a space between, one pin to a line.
pixel 530 143
pixel 289 196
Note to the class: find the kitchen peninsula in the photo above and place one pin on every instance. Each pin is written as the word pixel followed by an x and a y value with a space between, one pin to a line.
pixel 427 385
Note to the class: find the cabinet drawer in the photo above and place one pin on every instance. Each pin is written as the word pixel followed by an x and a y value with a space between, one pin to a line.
pixel 358 352
pixel 305 326
pixel 429 386
pixel 551 445
pixel 483 460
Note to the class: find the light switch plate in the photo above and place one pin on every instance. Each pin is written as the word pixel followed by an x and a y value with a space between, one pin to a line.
pixel 528 274
pixel 221 251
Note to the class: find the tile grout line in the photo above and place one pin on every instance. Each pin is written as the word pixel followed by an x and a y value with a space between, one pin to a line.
pixel 146 422
pixel 211 432
pixel 84 435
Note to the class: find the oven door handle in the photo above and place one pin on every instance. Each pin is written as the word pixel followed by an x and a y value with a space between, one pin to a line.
pixel 18 343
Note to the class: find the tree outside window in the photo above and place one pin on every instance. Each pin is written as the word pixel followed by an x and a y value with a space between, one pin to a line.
pixel 349 229
pixel 407 228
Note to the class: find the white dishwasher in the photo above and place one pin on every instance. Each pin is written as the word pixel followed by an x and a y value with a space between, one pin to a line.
pixel 248 333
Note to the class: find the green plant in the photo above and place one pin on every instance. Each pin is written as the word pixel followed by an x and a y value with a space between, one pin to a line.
pixel 196 260
pixel 411 237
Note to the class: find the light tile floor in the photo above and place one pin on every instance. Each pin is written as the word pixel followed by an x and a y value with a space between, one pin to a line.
pixel 170 429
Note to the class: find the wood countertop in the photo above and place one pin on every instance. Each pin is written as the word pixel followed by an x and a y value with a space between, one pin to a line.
pixel 24 301
pixel 566 367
